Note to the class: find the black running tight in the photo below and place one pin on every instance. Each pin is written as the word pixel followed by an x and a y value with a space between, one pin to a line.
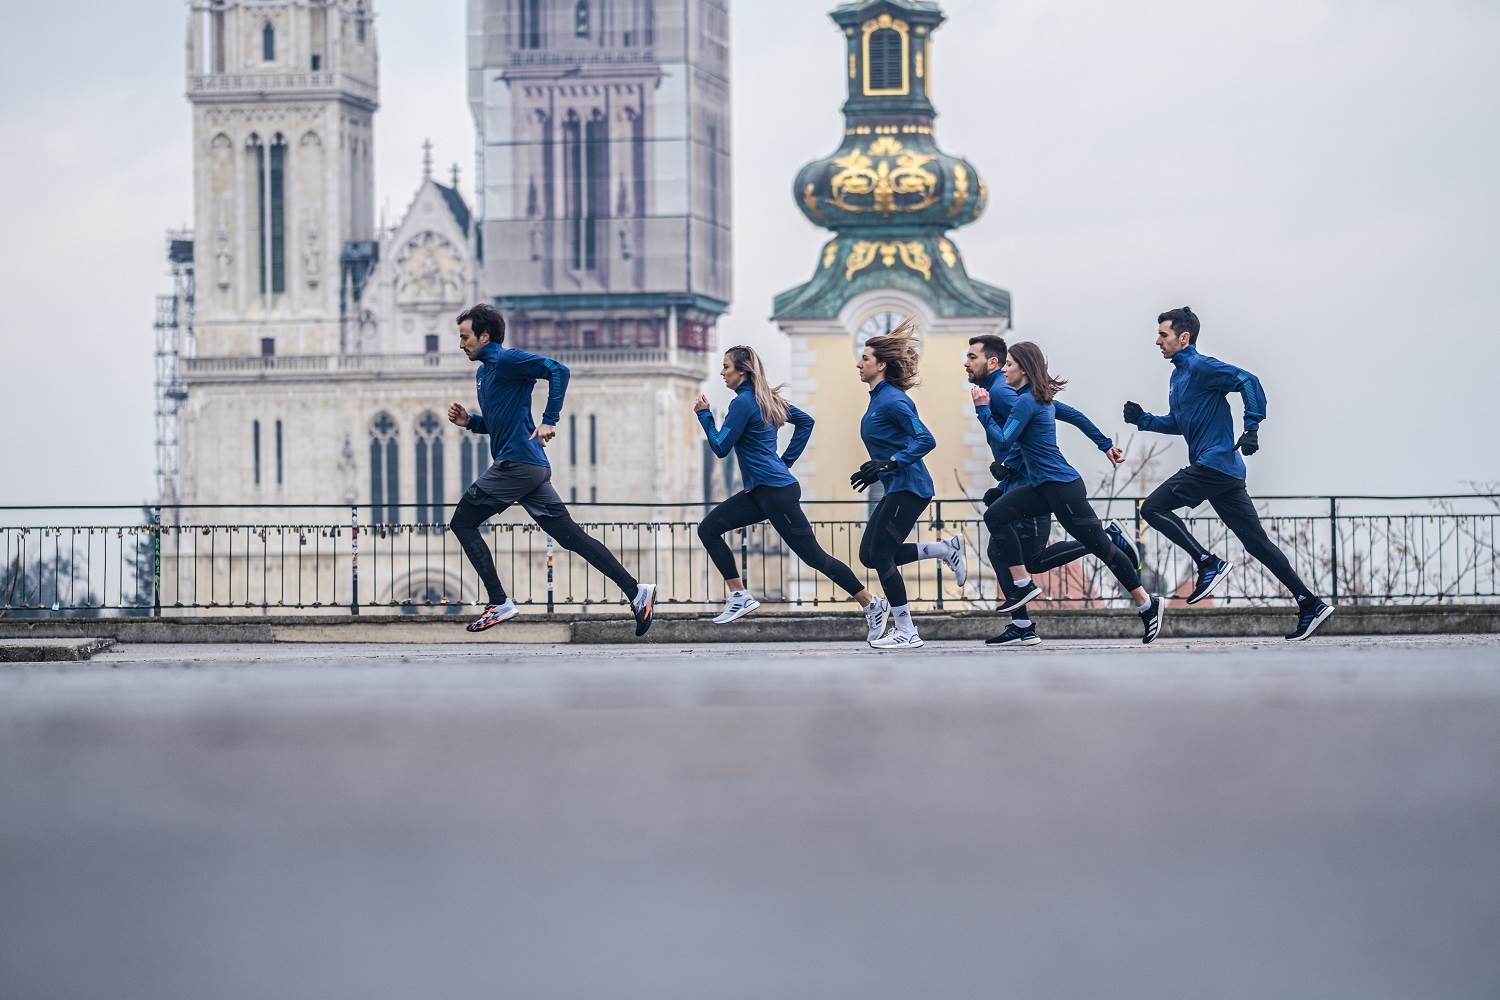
pixel 564 530
pixel 884 545
pixel 782 507
pixel 1068 502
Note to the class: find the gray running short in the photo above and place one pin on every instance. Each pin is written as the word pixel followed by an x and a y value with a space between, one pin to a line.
pixel 507 483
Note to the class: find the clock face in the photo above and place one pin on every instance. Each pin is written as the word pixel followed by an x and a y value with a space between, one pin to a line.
pixel 877 325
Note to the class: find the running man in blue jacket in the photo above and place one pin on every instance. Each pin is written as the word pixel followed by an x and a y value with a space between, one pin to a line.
pixel 520 473
pixel 1198 410
pixel 982 364
pixel 771 492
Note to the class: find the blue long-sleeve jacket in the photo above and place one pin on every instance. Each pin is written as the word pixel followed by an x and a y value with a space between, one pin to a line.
pixel 503 384
pixel 892 431
pixel 1033 426
pixel 753 440
pixel 1198 410
pixel 994 416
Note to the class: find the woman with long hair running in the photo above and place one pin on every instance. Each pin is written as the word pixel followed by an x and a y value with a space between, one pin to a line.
pixel 1055 488
pixel 771 493
pixel 896 440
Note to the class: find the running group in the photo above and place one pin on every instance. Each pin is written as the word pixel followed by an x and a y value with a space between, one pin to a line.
pixel 1015 401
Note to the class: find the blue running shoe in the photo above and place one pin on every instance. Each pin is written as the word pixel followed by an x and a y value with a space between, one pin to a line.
pixel 1016 635
pixel 1209 579
pixel 1116 533
pixel 1309 620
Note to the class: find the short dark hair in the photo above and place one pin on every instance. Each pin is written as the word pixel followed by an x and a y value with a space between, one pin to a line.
pixel 994 347
pixel 1183 321
pixel 484 318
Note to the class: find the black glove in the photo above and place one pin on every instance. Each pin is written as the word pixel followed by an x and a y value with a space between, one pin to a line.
pixel 1249 443
pixel 1133 414
pixel 991 495
pixel 869 473
pixel 1001 471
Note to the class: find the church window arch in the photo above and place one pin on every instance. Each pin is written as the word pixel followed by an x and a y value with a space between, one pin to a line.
pixel 885 57
pixel 361 18
pixel 473 457
pixel 573 187
pixel 596 163
pixel 267 43
pixel 429 455
pixel 581 19
pixel 385 470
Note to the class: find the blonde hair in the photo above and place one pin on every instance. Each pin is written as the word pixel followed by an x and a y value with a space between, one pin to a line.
pixel 897 350
pixel 768 397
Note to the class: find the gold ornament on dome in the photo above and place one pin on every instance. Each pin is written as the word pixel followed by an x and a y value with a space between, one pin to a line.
pixel 829 253
pixel 811 201
pixel 911 252
pixel 946 251
pixel 876 184
pixel 960 189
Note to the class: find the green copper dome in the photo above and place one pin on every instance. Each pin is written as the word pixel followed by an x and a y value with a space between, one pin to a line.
pixel 888 192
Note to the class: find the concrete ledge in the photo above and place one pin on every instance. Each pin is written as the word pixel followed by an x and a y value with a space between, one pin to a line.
pixel 51 650
pixel 842 625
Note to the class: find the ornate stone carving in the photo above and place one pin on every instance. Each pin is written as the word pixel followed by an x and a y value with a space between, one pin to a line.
pixel 429 269
pixel 312 254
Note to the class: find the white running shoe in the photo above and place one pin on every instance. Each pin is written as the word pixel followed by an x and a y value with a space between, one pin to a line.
pixel 898 640
pixel 877 618
pixel 954 558
pixel 737 606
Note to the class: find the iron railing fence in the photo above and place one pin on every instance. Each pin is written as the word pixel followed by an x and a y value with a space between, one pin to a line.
pixel 263 559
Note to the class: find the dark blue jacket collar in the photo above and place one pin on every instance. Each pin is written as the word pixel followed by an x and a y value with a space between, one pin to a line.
pixel 1185 355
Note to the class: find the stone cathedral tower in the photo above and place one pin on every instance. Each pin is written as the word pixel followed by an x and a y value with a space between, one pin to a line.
pixel 283 98
pixel 603 141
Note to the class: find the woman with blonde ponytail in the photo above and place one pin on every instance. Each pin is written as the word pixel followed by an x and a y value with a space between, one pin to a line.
pixel 771 493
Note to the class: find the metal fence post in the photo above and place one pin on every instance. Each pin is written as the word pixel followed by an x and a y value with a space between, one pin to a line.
pixel 1333 546
pixel 354 559
pixel 937 510
pixel 155 562
pixel 550 605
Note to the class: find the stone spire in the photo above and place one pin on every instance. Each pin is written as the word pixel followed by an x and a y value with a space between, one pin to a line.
pixel 426 159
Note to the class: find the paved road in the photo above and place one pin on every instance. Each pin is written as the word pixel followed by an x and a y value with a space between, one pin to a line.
pixel 1221 820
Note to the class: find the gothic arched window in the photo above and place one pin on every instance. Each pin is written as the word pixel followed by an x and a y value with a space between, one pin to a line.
pixel 268 43
pixel 429 450
pixel 596 159
pixel 385 475
pixel 473 457
pixel 581 19
pixel 573 187
pixel 360 17
pixel 270 203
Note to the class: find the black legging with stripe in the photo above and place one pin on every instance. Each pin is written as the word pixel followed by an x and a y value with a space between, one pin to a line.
pixel 884 545
pixel 1069 503
pixel 469 515
pixel 782 507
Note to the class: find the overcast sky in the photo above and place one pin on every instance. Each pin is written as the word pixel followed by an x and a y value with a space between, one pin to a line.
pixel 1317 179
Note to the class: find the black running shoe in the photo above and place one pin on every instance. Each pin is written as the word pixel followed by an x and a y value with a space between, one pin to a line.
pixel 1209 579
pixel 1016 635
pixel 643 606
pixel 1151 620
pixel 1116 533
pixel 1309 620
pixel 1012 597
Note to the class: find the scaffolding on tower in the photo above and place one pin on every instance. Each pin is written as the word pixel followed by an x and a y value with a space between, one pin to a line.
pixel 174 341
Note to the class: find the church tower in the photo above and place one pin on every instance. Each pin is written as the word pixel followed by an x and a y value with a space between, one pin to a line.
pixel 283 98
pixel 891 197
pixel 603 140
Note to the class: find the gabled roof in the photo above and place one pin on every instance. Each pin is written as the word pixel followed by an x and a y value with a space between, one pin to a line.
pixel 456 205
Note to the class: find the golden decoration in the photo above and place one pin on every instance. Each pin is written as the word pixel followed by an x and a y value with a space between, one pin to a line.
pixel 829 253
pixel 911 252
pixel 883 184
pixel 851 65
pixel 960 189
pixel 919 62
pixel 949 255
pixel 984 198
pixel 811 200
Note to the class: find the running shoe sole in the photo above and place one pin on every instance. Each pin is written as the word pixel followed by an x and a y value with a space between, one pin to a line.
pixel 1030 640
pixel 475 626
pixel 1213 584
pixel 1128 548
pixel 1312 626
pixel 885 643
pixel 1032 593
pixel 729 616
